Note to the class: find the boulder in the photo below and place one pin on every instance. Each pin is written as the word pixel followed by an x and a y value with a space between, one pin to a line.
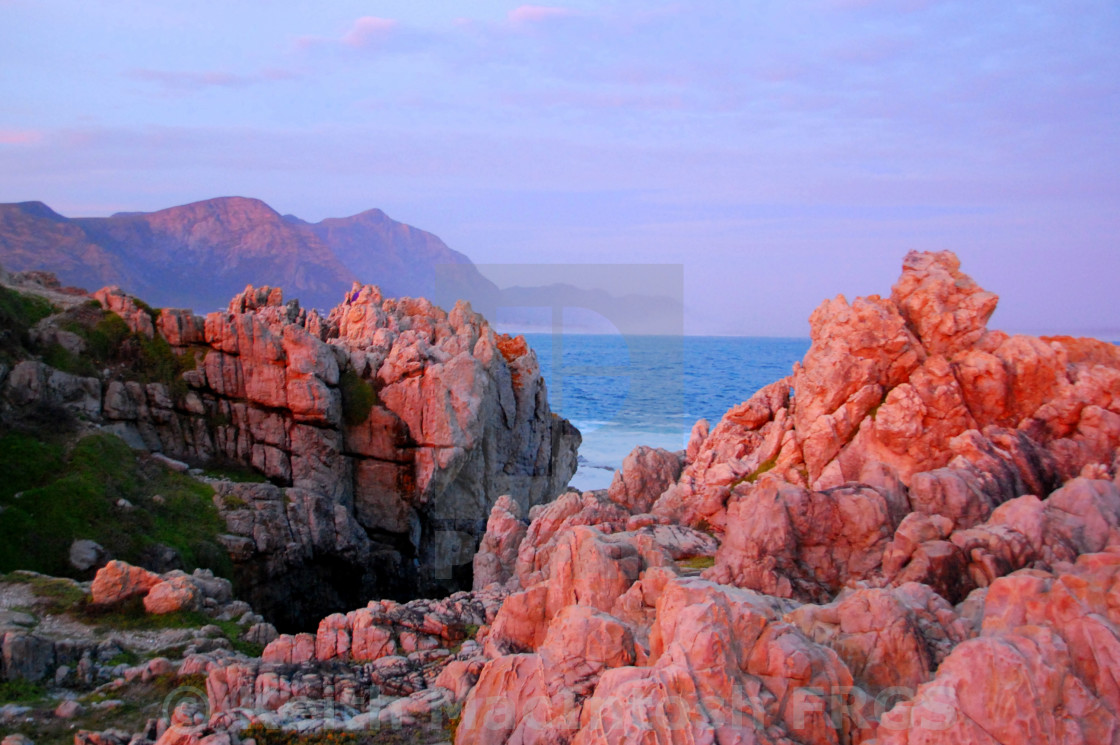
pixel 118 581
pixel 86 554
pixel 646 473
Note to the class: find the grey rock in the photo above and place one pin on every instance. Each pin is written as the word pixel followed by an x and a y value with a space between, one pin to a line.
pixel 26 656
pixel 69 709
pixel 86 554
pixel 260 633
pixel 14 620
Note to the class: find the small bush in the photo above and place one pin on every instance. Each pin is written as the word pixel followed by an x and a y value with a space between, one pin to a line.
pixel 17 308
pixel 153 313
pixel 358 397
pixel 60 358
pixel 20 691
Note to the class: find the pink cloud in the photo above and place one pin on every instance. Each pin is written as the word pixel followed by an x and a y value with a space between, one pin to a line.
pixel 538 13
pixel 20 136
pixel 368 30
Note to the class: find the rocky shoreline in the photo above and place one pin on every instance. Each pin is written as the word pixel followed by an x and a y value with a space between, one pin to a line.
pixel 914 538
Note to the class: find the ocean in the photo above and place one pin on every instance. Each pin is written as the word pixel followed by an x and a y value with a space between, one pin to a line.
pixel 649 390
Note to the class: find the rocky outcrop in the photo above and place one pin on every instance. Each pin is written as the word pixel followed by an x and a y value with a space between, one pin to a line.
pixel 913 460
pixel 886 547
pixel 903 407
pixel 388 428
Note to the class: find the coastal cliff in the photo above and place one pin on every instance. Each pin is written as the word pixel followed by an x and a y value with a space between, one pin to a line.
pixel 914 538
pixel 386 428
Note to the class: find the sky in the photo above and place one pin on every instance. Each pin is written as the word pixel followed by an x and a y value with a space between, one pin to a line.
pixel 779 151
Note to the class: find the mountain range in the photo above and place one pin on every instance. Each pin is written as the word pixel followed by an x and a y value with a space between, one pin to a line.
pixel 199 255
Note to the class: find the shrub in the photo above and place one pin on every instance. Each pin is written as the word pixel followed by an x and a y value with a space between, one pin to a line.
pixel 358 397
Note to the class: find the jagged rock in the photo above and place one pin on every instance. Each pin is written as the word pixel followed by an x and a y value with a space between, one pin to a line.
pixel 69 709
pixel 538 697
pixel 889 639
pixel 963 417
pixel 174 594
pixel 496 559
pixel 260 633
pixel 391 418
pixel 118 581
pixel 784 540
pixel 1051 641
pixel 646 473
pixel 26 656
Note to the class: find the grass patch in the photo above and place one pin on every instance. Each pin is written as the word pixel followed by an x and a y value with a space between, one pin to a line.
pixel 60 595
pixel 131 616
pixel 18 313
pixel 239 474
pixel 141 701
pixel 20 691
pixel 754 475
pixel 60 358
pixel 153 313
pixel 358 397
pixel 233 502
pixel 50 500
pixel 698 563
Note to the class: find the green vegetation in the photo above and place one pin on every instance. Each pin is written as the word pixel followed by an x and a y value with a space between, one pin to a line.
pixel 18 313
pixel 754 475
pixel 763 467
pixel 235 472
pixel 153 313
pixel 385 735
pixel 131 616
pixel 20 691
pixel 111 344
pixel 358 397
pixel 60 595
pixel 49 500
pixel 697 563
pixel 137 702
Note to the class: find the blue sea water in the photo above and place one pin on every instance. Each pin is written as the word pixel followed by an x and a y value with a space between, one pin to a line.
pixel 649 390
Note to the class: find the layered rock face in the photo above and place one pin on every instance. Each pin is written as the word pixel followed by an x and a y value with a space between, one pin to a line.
pixel 387 428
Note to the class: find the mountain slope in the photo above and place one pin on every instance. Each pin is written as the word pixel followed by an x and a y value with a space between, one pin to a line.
pixel 198 255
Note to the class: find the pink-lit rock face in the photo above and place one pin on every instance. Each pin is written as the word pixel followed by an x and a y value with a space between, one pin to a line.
pixel 913 460
pixel 385 417
pixel 913 539
pixel 118 581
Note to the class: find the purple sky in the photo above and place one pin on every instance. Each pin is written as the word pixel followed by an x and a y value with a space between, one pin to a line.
pixel 783 152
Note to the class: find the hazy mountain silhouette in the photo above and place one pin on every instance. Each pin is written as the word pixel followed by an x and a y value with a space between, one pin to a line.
pixel 199 255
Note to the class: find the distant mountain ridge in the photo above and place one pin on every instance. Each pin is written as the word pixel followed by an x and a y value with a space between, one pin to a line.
pixel 199 255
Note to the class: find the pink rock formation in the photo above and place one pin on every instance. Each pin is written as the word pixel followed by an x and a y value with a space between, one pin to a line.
pixel 172 595
pixel 645 474
pixel 118 581
pixel 389 417
pixel 913 458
